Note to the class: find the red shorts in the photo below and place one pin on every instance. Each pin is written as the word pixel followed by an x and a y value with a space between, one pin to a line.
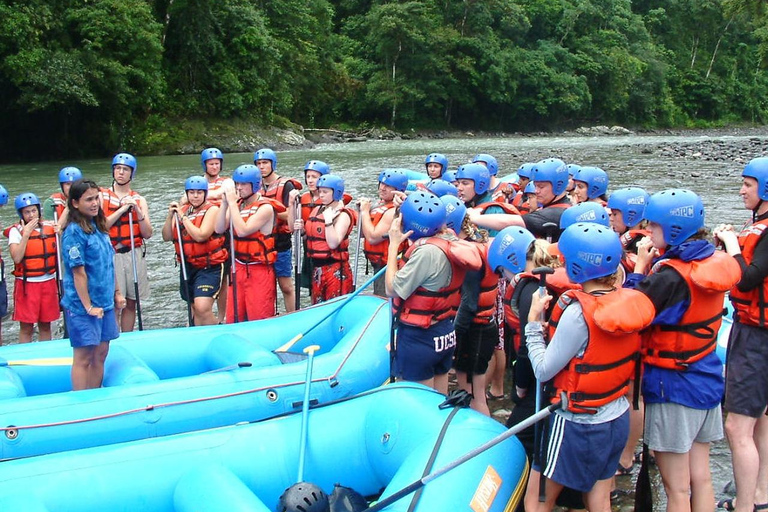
pixel 331 281
pixel 35 302
pixel 256 293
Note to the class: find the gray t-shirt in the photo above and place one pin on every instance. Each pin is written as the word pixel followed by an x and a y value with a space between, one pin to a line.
pixel 570 340
pixel 428 266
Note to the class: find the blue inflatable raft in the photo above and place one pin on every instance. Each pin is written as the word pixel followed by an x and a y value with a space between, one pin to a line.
pixel 168 381
pixel 375 443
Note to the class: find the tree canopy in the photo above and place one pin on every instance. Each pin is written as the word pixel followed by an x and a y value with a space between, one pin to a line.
pixel 91 76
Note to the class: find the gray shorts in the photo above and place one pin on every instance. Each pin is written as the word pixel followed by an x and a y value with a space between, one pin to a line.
pixel 746 374
pixel 674 428
pixel 124 274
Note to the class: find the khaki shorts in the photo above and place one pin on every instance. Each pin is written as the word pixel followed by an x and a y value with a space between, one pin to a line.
pixel 124 274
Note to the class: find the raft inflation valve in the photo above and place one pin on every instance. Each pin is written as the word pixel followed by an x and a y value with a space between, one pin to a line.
pixel 271 395
pixel 11 432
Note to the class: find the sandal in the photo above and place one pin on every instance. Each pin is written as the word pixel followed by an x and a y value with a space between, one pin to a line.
pixel 762 506
pixel 622 471
pixel 726 504
pixel 639 459
pixel 491 396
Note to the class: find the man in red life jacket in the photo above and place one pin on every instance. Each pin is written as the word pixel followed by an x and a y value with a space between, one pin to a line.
pixel 3 286
pixel 55 207
pixel 279 188
pixel 32 243
pixel 252 219
pixel 124 207
pixel 375 222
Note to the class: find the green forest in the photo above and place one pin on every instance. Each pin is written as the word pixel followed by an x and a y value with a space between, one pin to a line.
pixel 87 77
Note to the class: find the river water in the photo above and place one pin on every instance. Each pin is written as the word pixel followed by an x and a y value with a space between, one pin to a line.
pixel 629 160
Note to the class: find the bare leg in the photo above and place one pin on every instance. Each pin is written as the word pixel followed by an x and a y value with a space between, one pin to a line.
pixel 761 440
pixel 479 403
pixel 202 311
pixel 702 492
pixel 96 369
pixel 440 383
pixel 81 362
pixel 496 371
pixel 44 331
pixel 25 332
pixel 599 498
pixel 676 476
pixel 128 316
pixel 551 489
pixel 741 432
pixel 222 300
pixel 289 294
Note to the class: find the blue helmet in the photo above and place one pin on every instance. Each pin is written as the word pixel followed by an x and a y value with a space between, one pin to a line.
pixel 442 188
pixel 455 210
pixel 631 203
pixel 318 166
pixel 449 176
pixel 573 169
pixel 423 213
pixel 395 178
pixel 336 183
pixel 530 188
pixel 526 170
pixel 679 212
pixel 210 154
pixel 554 171
pixel 490 163
pixel 590 251
pixel 509 249
pixel 196 183
pixel 588 211
pixel 248 173
pixel 70 174
pixel 24 200
pixel 757 168
pixel 266 154
pixel 3 196
pixel 477 173
pixel 125 159
pixel 595 178
pixel 437 158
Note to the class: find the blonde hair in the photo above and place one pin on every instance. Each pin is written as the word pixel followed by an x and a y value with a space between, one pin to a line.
pixel 538 253
pixel 472 232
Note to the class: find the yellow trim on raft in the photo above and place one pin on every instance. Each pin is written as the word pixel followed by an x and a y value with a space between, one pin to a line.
pixel 514 499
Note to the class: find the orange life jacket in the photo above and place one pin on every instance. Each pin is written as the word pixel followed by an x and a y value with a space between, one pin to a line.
pixel 317 245
pixel 307 201
pixel 629 258
pixel 275 191
pixel 377 253
pixel 507 208
pixel 603 372
pixel 256 248
pixel 200 254
pixel 489 290
pixel 676 346
pixel 424 308
pixel 59 203
pixel 40 253
pixel 751 306
pixel 216 184
pixel 119 233
pixel 520 203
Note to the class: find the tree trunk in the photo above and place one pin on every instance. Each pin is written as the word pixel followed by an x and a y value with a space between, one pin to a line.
pixel 167 22
pixel 717 47
pixel 693 51
pixel 394 83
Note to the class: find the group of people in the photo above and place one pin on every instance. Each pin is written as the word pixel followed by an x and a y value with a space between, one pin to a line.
pixel 598 298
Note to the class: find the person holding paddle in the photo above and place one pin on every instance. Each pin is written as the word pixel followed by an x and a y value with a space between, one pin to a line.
pixel 3 286
pixel 55 207
pixel 90 285
pixel 201 251
pixel 127 216
pixel 32 243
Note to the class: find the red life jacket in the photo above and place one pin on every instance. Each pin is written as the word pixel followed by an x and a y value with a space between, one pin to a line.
pixel 308 203
pixel 489 290
pixel 676 346
pixel 751 306
pixel 40 253
pixel 119 233
pixel 520 203
pixel 629 258
pixel 603 372
pixel 201 254
pixel 256 248
pixel 275 191
pixel 424 308
pixel 317 245
pixel 59 203
pixel 377 253
pixel 507 208
pixel 216 184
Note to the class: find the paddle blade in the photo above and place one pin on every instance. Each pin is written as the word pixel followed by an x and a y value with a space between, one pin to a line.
pixel 643 492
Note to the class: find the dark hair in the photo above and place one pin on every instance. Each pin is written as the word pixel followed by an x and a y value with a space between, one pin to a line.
pixel 77 190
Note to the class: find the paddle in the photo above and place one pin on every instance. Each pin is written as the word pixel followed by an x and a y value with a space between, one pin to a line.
pixel 184 269
pixel 643 491
pixel 297 250
pixel 233 270
pixel 340 305
pixel 243 364
pixel 45 361
pixel 405 491
pixel 310 351
pixel 357 249
pixel 59 277
pixel 135 273
pixel 538 431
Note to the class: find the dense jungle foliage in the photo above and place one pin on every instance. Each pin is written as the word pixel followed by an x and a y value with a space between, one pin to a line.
pixel 81 77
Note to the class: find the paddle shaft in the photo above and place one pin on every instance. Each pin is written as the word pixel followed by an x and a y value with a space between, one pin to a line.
pixel 538 436
pixel 135 272
pixel 341 304
pixel 357 249
pixel 59 277
pixel 45 361
pixel 405 491
pixel 305 411
pixel 184 270
pixel 297 250
pixel 233 270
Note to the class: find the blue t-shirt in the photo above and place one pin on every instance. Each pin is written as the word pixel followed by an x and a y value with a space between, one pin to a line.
pixel 95 252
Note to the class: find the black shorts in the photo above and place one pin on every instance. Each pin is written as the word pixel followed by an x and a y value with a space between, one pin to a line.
pixel 475 345
pixel 746 374
pixel 201 282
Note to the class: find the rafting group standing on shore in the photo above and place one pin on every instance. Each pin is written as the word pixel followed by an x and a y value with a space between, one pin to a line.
pixel 602 298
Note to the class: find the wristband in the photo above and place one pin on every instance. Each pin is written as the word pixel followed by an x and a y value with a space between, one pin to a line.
pixel 88 311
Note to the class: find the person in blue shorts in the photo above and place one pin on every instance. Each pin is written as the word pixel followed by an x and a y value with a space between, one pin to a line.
pixel 591 356
pixel 3 288
pixel 90 287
